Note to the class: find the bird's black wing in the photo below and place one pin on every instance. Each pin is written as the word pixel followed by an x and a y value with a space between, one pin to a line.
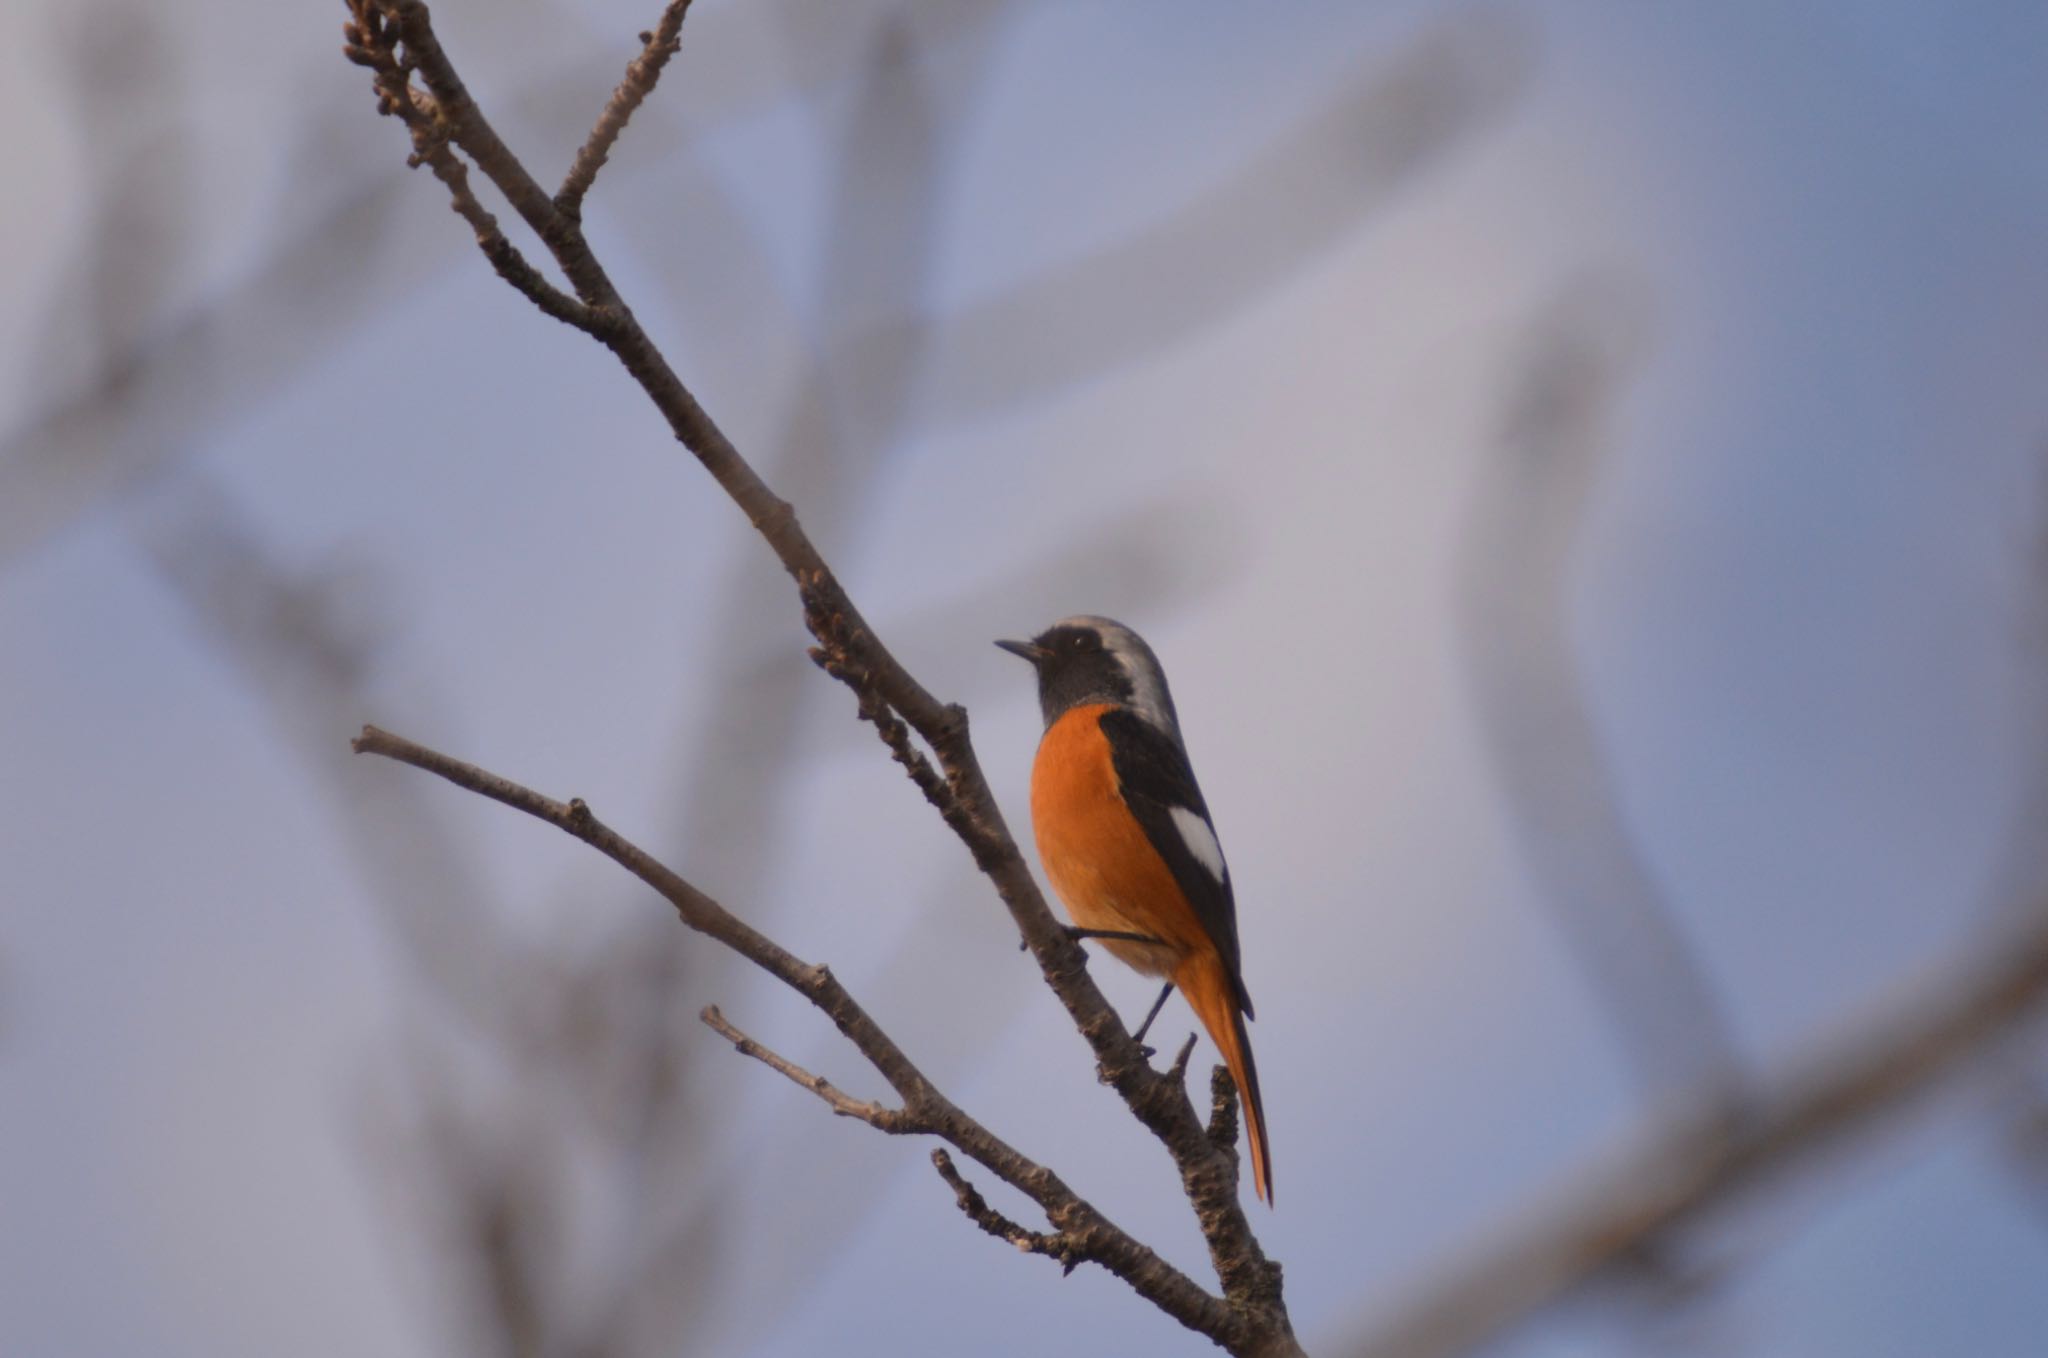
pixel 1158 785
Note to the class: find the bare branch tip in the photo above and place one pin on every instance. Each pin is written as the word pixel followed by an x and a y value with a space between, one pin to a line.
pixel 371 740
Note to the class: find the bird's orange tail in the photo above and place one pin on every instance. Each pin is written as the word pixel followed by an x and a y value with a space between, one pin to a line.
pixel 1202 980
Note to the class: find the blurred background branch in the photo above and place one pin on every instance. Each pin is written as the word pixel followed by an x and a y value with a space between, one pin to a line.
pixel 1632 1217
pixel 1532 502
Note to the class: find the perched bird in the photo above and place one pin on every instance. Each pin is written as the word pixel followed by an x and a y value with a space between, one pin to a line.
pixel 1126 839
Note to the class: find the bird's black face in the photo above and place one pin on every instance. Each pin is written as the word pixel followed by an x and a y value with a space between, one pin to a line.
pixel 1075 666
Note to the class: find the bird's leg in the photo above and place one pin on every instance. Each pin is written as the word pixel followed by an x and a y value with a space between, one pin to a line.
pixel 1077 933
pixel 1153 1013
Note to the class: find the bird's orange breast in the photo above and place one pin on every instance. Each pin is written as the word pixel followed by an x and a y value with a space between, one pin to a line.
pixel 1095 852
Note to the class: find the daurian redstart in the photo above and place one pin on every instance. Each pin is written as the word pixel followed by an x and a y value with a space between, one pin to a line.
pixel 1126 839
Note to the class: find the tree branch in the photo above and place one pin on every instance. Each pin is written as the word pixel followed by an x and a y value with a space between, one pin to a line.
pixel 505 257
pixel 396 39
pixel 1094 1238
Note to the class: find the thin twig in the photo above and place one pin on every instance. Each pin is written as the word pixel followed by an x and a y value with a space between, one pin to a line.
pixel 368 45
pixel 505 257
pixel 419 51
pixel 1054 1245
pixel 641 74
pixel 893 1120
pixel 894 733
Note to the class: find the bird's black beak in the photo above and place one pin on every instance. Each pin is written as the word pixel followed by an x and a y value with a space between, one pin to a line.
pixel 1024 648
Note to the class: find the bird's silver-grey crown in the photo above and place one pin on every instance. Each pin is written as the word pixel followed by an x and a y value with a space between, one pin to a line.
pixel 1092 659
pixel 1149 694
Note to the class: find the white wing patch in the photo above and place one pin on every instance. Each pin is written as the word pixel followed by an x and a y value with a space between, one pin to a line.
pixel 1200 839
